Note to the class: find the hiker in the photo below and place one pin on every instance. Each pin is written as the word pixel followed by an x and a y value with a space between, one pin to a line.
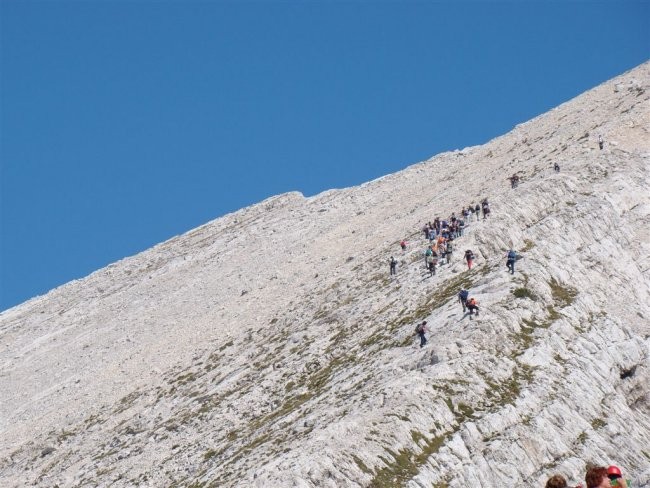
pixel 477 211
pixel 402 244
pixel 597 477
pixel 558 481
pixel 469 257
pixel 514 180
pixel 486 209
pixel 616 477
pixel 427 252
pixel 556 167
pixel 426 229
pixel 442 247
pixel 472 305
pixel 463 294
pixel 449 249
pixel 601 143
pixel 431 264
pixel 420 330
pixel 393 265
pixel 511 258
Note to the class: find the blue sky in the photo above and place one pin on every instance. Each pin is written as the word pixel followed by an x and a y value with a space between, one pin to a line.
pixel 124 123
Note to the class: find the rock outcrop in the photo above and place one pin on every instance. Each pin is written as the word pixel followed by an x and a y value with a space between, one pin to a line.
pixel 271 348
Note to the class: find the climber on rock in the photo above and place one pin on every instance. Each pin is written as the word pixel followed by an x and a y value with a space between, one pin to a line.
pixel 469 257
pixel 431 264
pixel 393 265
pixel 463 295
pixel 511 257
pixel 486 209
pixel 420 330
pixel 472 305
pixel 514 180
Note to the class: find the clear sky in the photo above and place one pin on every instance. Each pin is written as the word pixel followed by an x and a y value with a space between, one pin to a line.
pixel 124 123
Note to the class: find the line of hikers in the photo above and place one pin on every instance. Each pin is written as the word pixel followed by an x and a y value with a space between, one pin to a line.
pixel 441 234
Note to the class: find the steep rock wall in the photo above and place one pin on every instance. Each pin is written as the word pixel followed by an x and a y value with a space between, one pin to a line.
pixel 271 348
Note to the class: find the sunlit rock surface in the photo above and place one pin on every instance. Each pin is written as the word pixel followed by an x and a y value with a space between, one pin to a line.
pixel 271 348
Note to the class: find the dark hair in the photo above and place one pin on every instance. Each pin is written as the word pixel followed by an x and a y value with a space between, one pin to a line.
pixel 595 475
pixel 556 481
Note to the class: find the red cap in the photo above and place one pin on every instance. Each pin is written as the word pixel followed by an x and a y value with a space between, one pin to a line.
pixel 613 471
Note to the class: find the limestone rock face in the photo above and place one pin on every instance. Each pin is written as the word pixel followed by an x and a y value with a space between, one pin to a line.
pixel 271 347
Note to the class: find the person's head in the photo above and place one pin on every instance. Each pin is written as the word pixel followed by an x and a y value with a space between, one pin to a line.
pixel 556 481
pixel 596 477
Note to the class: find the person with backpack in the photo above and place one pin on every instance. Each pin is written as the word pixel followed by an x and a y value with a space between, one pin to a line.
pixel 486 209
pixel 393 265
pixel 469 257
pixel 601 142
pixel 431 263
pixel 420 330
pixel 511 258
pixel 472 305
pixel 556 167
pixel 463 295
pixel 477 211
pixel 514 180
pixel 402 244
pixel 427 252
pixel 448 250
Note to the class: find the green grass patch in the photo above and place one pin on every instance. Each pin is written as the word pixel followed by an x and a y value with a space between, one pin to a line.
pixel 404 464
pixel 364 469
pixel 563 296
pixel 524 338
pixel 374 339
pixel 507 391
pixel 598 424
pixel 209 454
pixel 528 245
pixel 524 293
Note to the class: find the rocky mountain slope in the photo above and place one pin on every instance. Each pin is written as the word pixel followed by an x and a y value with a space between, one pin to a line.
pixel 271 348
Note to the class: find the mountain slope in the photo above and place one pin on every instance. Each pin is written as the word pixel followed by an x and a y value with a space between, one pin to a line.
pixel 270 347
